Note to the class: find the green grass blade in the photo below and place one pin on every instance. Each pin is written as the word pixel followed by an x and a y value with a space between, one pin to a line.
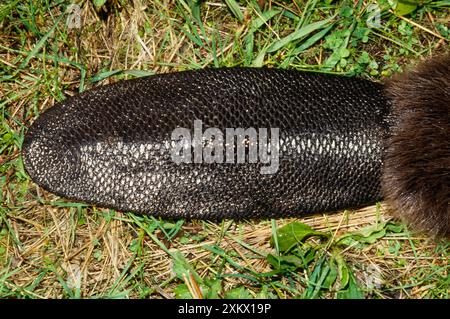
pixel 301 33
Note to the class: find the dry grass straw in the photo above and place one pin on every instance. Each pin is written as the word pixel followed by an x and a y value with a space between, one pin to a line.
pixel 54 249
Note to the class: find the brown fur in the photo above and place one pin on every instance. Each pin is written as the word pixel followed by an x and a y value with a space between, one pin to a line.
pixel 416 174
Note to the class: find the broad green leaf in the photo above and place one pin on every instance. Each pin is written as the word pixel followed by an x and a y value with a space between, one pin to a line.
pixel 352 292
pixel 343 271
pixel 369 235
pixel 300 33
pixel 238 293
pixel 395 228
pixel 300 259
pixel 249 48
pixel 194 5
pixel 7 137
pixel 99 3
pixel 331 277
pixel 294 233
pixel 182 267
pixel 265 293
pixel 182 292
pixel 234 7
pixel 210 290
pixel 405 7
pixel 346 11
pixel 344 52
pixel 291 262
pixel 213 288
pixel 262 19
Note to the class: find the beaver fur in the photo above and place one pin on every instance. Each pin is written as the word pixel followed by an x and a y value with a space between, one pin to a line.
pixel 416 172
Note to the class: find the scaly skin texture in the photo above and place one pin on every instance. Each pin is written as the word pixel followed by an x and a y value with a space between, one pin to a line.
pixel 111 146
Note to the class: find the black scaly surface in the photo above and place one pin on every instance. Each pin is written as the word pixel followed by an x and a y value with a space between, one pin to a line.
pixel 110 146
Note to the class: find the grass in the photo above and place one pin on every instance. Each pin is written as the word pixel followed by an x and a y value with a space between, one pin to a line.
pixel 53 248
